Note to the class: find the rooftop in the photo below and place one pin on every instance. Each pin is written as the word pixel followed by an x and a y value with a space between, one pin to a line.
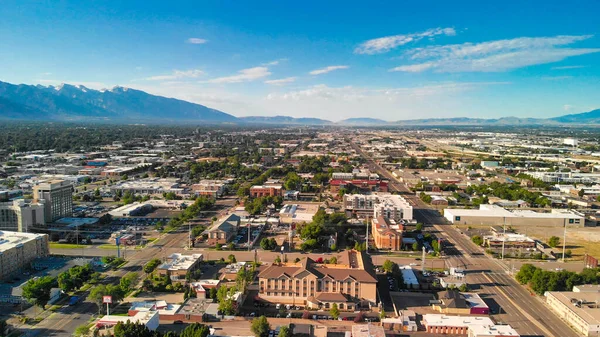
pixel 9 240
pixel 588 311
pixel 368 330
pixel 493 330
pixel 455 321
pixel 177 261
pixel 497 211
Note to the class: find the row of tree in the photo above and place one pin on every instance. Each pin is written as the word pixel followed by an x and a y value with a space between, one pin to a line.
pixel 540 280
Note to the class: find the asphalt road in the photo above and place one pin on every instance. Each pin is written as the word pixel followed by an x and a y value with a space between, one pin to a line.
pixel 524 311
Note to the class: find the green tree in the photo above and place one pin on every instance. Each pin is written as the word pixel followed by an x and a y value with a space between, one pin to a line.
pixel 415 246
pixel 382 314
pixel 151 266
pixel 37 290
pixel 553 241
pixel 101 290
pixel 284 331
pixel 388 266
pixel 419 227
pixel 260 327
pixel 477 240
pixel 525 273
pixel 129 281
pixel 231 258
pixel 333 260
pixel 277 259
pixel 334 311
pixel 195 330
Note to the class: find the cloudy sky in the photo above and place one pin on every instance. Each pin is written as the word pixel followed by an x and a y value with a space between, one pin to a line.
pixel 329 59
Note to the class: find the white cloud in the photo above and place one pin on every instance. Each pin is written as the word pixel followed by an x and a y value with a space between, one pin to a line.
pixel 275 62
pixel 567 67
pixel 555 78
pixel 244 75
pixel 195 40
pixel 281 81
pixel 495 56
pixel 327 70
pixel 177 74
pixel 387 43
pixel 46 74
pixel 568 107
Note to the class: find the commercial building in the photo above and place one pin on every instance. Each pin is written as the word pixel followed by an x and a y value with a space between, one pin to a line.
pixel 19 215
pixel 58 199
pixel 178 266
pixel 223 230
pixel 457 303
pixel 391 206
pixel 148 186
pixel 210 188
pixel 495 216
pixel 150 319
pixel 578 309
pixel 509 240
pixel 363 185
pixel 492 331
pixel 350 284
pixel 386 233
pixel 297 213
pixel 18 250
pixel 266 191
pixel 203 287
pixel 457 325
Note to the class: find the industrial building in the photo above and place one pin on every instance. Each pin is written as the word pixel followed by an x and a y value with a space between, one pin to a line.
pixel 148 186
pixel 18 250
pixel 58 199
pixel 493 215
pixel 297 213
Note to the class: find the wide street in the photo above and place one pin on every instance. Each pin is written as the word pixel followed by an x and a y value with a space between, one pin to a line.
pixel 525 311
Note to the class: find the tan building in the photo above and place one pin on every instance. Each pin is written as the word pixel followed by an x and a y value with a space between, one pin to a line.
pixel 177 266
pixel 18 215
pixel 391 206
pixel 387 234
pixel 350 284
pixel 578 309
pixel 18 250
pixel 210 188
pixel 58 199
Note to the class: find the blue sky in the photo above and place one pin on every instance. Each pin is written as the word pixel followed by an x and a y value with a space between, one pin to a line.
pixel 329 59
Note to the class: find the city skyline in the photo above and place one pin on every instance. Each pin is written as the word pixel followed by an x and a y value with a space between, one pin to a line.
pixel 333 61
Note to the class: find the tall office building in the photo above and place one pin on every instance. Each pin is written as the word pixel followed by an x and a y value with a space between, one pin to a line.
pixel 58 199
pixel 19 215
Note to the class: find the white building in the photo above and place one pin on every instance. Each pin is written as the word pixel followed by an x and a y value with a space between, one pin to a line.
pixel 492 331
pixel 148 186
pixel 148 318
pixel 19 216
pixel 496 216
pixel 570 141
pixel 18 250
pixel 391 206
pixel 444 324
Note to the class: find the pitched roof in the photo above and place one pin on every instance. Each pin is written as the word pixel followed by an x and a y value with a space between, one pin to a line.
pixel 452 299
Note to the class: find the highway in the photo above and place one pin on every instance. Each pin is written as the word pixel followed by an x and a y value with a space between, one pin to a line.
pixel 518 307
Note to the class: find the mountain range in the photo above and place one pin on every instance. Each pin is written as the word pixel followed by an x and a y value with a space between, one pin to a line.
pixel 67 102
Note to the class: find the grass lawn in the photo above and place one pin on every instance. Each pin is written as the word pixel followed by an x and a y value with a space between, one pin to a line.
pixel 107 246
pixel 65 245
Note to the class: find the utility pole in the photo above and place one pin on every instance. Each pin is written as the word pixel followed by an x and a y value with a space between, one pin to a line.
pixel 423 261
pixel 189 235
pixel 367 240
pixel 564 241
pixel 503 237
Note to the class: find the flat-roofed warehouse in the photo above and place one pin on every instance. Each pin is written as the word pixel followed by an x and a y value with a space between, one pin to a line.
pixel 493 215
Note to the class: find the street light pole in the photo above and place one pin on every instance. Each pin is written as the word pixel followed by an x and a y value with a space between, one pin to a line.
pixel 564 241
pixel 503 237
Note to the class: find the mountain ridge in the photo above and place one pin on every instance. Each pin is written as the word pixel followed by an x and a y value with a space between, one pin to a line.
pixel 68 102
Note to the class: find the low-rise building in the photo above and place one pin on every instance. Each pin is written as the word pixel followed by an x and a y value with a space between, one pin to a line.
pixel 257 191
pixel 177 266
pixel 457 303
pixel 578 309
pixel 211 188
pixel 350 284
pixel 509 240
pixel 150 319
pixel 147 186
pixel 203 287
pixel 457 325
pixel 494 216
pixel 18 250
pixel 297 213
pixel 223 230
pixel 361 330
pixel 492 331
